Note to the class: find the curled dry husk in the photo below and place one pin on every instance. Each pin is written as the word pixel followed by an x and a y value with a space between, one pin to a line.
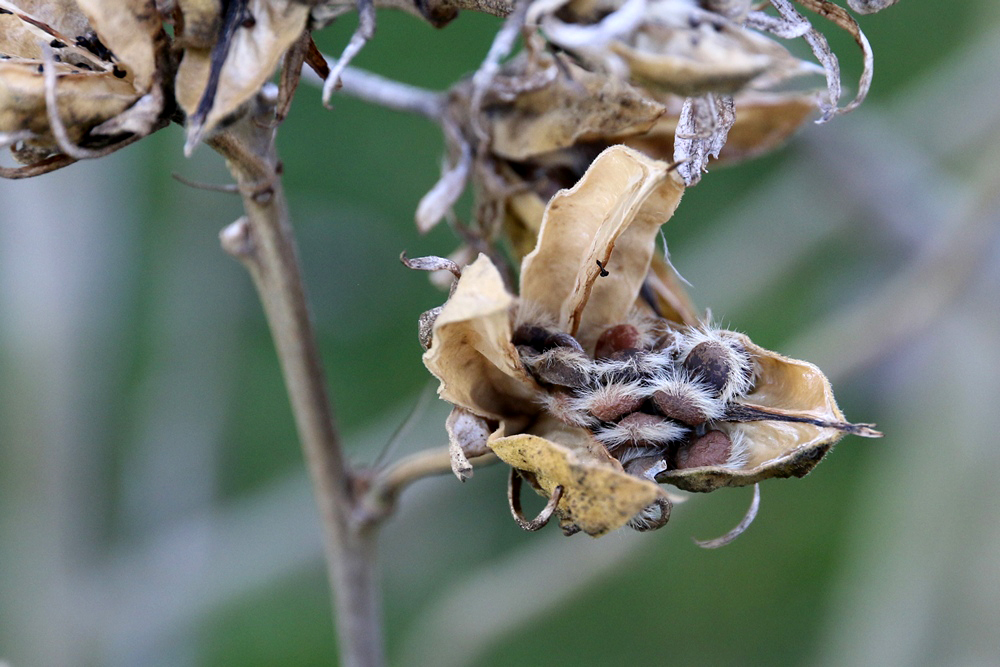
pixel 112 59
pixel 679 80
pixel 595 252
pixel 105 55
pixel 217 76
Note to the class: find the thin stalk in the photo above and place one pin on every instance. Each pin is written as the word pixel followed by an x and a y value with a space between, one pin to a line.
pixel 264 243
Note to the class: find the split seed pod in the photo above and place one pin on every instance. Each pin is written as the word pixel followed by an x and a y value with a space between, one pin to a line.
pixel 591 430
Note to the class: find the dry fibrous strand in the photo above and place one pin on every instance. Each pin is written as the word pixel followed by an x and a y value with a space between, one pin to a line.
pixel 364 32
pixel 514 498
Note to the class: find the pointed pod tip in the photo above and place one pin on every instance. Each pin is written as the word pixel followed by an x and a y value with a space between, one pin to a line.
pixel 193 138
pixel 866 431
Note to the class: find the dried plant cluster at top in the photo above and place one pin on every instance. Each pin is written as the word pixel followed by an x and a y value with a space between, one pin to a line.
pixel 597 380
pixel 81 78
pixel 680 80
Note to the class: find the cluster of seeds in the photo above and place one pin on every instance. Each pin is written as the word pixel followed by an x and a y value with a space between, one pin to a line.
pixel 655 396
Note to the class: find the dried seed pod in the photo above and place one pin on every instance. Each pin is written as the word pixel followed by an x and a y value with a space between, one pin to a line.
pixel 619 337
pixel 785 425
pixel 467 436
pixel 565 105
pixel 598 496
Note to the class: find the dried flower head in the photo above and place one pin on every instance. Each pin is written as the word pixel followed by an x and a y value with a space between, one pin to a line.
pixel 679 80
pixel 592 394
pixel 82 78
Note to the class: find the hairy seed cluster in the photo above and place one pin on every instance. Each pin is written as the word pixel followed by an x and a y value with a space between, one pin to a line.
pixel 655 396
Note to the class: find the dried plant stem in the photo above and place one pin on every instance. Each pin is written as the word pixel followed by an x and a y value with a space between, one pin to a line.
pixel 264 243
pixel 384 92
pixel 388 483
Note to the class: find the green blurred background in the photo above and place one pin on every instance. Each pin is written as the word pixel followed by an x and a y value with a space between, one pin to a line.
pixel 154 508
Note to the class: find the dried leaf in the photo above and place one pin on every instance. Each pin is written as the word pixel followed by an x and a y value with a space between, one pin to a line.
pixel 467 436
pixel 471 351
pixel 764 121
pixel 202 20
pixel 870 6
pixel 776 448
pixel 598 496
pixel 431 263
pixel 842 19
pixel 130 29
pixel 689 52
pixel 438 201
pixel 252 55
pixel 611 216
pixel 84 98
pixel 577 106
pixel 701 133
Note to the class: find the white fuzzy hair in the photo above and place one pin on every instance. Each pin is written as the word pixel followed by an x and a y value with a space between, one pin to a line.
pixel 739 451
pixel 563 406
pixel 740 380
pixel 647 364
pixel 613 392
pixel 676 382
pixel 661 432
pixel 565 355
pixel 532 314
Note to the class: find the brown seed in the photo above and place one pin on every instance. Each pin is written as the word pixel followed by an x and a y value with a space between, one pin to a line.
pixel 640 422
pixel 531 335
pixel 628 366
pixel 610 405
pixel 711 449
pixel 560 368
pixel 561 339
pixel 664 341
pixel 678 406
pixel 619 337
pixel 710 362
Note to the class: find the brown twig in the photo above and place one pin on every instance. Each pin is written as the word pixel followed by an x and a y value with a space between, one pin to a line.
pixel 388 483
pixel 44 166
pixel 264 243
